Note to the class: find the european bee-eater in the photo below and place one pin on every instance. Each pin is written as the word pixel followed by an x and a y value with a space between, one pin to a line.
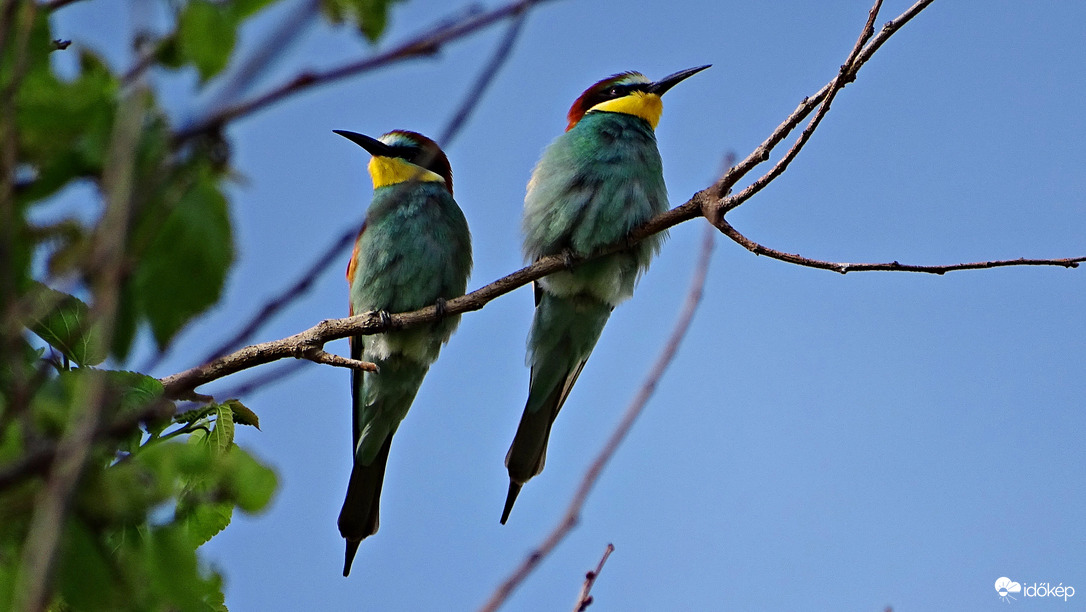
pixel 414 250
pixel 594 184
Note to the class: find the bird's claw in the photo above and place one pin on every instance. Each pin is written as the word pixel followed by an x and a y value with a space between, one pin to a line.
pixel 442 308
pixel 386 319
pixel 569 259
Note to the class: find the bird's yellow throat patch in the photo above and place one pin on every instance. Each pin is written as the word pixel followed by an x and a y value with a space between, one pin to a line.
pixel 648 106
pixel 387 171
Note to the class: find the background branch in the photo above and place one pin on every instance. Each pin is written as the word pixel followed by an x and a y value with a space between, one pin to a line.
pixel 427 43
pixel 573 511
pixel 584 599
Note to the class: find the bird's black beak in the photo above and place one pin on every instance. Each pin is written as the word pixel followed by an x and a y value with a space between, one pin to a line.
pixel 666 83
pixel 372 145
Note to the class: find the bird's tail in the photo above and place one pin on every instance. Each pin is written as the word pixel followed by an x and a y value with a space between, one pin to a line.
pixel 528 452
pixel 359 517
pixel 564 332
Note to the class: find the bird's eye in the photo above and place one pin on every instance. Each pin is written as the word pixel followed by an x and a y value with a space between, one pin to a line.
pixel 614 91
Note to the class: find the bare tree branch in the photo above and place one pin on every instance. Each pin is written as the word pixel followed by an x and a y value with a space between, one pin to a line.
pixel 712 202
pixel 367 323
pixel 845 75
pixel 501 54
pixel 585 598
pixel 267 376
pixel 427 43
pixel 573 511
pixel 893 266
pixel 319 356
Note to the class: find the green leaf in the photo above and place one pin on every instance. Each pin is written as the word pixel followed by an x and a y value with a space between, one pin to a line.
pixel 64 322
pixel 11 442
pixel 185 266
pixel 371 16
pixel 206 35
pixel 174 571
pixel 222 436
pixel 85 577
pixel 206 520
pixel 123 493
pixel 244 9
pixel 64 126
pixel 242 414
pixel 251 484
pixel 8 570
pixel 125 321
pixel 138 391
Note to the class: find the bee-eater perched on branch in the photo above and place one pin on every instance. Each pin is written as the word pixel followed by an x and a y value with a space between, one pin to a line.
pixel 414 250
pixel 594 184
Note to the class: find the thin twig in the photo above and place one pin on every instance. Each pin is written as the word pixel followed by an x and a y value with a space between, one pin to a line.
pixel 319 356
pixel 713 202
pixel 584 599
pixel 573 511
pixel 425 44
pixel 299 288
pixel 267 377
pixel 275 43
pixel 486 77
pixel 845 75
pixel 893 266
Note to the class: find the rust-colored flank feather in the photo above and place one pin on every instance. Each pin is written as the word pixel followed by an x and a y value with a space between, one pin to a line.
pixel 353 263
pixel 599 93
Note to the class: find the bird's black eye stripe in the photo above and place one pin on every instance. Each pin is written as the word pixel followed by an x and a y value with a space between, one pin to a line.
pixel 611 93
pixel 416 155
pixel 409 154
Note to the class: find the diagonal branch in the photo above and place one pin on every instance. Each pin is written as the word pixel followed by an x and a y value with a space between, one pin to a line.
pixel 845 75
pixel 713 203
pixel 708 202
pixel 573 511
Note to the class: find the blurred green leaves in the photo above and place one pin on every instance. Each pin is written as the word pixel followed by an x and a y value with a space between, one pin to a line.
pixel 183 269
pixel 149 248
pixel 371 16
pixel 64 322
pixel 206 34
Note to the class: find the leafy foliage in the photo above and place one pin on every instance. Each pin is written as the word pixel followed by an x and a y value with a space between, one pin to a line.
pixel 371 16
pixel 75 294
pixel 206 35
pixel 64 322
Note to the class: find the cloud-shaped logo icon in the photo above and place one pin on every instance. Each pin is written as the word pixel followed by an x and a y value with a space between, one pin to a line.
pixel 1005 586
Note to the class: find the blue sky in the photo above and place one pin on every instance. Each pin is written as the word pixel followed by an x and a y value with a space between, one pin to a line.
pixel 820 442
